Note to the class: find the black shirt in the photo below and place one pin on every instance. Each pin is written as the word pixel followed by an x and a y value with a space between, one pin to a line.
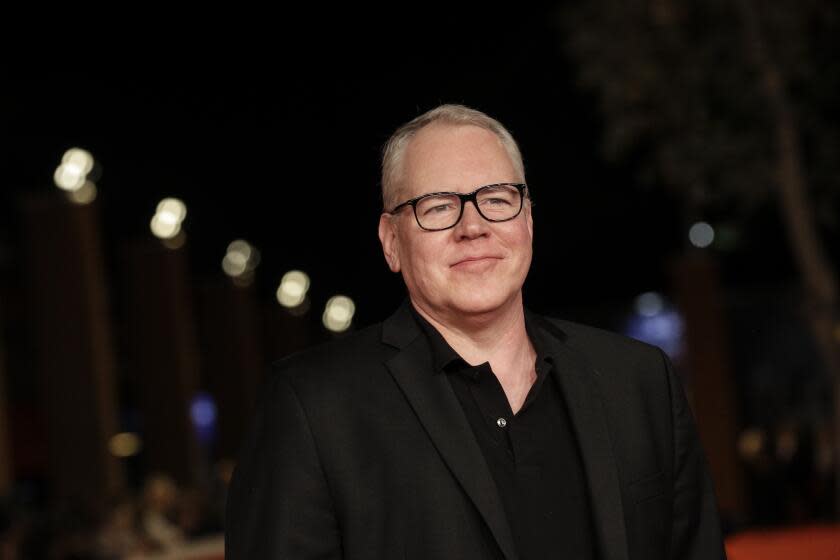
pixel 533 455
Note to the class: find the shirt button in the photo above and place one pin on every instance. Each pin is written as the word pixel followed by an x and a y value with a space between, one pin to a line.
pixel 501 422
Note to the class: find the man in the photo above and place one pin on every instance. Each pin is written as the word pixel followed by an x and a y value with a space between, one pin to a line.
pixel 464 426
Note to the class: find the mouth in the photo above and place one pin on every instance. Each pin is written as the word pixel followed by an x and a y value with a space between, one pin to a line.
pixel 470 262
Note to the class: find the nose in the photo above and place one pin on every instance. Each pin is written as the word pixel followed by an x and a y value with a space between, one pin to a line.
pixel 472 225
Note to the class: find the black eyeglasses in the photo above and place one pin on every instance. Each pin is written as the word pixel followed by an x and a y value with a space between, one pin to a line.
pixel 499 202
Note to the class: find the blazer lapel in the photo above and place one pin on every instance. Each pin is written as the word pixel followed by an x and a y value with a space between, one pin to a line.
pixel 433 400
pixel 579 383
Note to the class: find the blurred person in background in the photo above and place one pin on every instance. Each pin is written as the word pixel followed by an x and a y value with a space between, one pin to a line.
pixel 119 535
pixel 158 517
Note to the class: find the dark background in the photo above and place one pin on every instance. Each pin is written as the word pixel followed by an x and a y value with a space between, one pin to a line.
pixel 269 128
pixel 278 143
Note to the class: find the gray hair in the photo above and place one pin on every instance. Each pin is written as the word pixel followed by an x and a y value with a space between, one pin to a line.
pixel 394 151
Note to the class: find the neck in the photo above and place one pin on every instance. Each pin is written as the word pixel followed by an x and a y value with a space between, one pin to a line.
pixel 498 337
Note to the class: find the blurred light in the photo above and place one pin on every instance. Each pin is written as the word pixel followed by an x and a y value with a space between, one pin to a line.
pixel 657 323
pixel 701 235
pixel 164 229
pixel 203 415
pixel 293 288
pixel 173 209
pixel 338 313
pixel 240 259
pixel 203 410
pixel 84 195
pixel 649 304
pixel 69 177
pixel 125 444
pixel 750 443
pixel 166 223
pixel 241 247
pixel 72 173
pixel 234 264
pixel 80 158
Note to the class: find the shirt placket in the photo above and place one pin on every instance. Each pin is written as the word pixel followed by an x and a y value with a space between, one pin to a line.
pixel 495 409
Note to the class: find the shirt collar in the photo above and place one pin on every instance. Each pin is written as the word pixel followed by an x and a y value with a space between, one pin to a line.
pixel 445 357
pixel 443 354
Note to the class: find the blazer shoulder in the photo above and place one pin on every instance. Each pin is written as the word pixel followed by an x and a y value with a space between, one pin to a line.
pixel 587 334
pixel 354 353
pixel 629 373
pixel 603 347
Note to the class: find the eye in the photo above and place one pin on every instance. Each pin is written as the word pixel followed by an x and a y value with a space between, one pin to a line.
pixel 500 196
pixel 436 205
pixel 438 208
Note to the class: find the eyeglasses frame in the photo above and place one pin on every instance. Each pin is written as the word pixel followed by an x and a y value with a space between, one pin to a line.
pixel 464 198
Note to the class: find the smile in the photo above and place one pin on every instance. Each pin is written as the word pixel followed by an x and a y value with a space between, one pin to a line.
pixel 475 262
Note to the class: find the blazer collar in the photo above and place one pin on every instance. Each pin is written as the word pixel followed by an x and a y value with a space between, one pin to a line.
pixel 433 400
pixel 580 383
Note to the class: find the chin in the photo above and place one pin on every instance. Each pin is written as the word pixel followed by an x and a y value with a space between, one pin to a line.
pixel 477 303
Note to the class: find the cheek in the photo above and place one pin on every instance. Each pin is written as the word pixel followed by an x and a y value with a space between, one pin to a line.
pixel 423 245
pixel 426 258
pixel 519 241
pixel 420 257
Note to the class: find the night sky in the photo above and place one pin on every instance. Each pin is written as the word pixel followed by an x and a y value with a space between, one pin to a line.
pixel 277 141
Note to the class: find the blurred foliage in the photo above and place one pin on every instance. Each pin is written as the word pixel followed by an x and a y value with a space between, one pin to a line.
pixel 681 96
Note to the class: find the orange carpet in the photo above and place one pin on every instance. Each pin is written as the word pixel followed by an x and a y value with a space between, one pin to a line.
pixel 816 542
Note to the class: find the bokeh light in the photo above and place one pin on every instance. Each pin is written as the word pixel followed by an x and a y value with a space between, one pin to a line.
pixel 701 235
pixel 338 313
pixel 125 444
pixel 241 258
pixel 166 223
pixel 293 287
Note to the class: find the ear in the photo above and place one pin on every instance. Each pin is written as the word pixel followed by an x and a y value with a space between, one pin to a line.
pixel 390 242
pixel 529 218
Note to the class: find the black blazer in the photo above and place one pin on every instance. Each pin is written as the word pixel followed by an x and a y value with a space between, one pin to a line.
pixel 361 451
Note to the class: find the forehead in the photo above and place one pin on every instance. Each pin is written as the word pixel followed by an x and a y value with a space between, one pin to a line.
pixel 455 157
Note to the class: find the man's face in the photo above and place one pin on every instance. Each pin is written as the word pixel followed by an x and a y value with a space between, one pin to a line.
pixel 476 267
